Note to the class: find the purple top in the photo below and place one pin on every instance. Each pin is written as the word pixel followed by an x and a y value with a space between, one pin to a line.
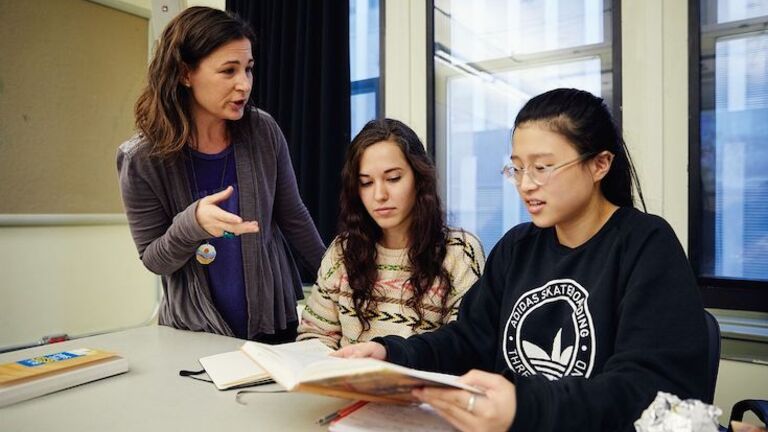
pixel 161 215
pixel 225 273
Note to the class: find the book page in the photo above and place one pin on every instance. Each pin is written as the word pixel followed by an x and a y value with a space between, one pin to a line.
pixel 307 364
pixel 285 362
pixel 375 377
pixel 449 380
pixel 231 369
pixel 336 366
pixel 376 417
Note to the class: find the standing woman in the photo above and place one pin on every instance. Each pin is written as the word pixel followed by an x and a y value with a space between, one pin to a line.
pixel 209 189
pixel 395 268
pixel 582 315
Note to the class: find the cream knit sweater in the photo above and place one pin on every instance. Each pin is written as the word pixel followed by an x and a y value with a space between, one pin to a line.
pixel 330 316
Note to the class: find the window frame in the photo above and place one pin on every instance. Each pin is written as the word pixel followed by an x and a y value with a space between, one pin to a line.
pixel 373 85
pixel 431 125
pixel 716 292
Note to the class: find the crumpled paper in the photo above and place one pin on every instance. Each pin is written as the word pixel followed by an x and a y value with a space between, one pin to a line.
pixel 667 413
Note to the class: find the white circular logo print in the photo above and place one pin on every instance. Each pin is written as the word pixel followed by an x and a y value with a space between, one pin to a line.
pixel 550 332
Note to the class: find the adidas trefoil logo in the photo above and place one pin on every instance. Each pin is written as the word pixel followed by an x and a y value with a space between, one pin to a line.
pixel 552 365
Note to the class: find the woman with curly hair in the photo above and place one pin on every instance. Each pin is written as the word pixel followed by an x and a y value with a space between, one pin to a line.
pixel 583 314
pixel 395 268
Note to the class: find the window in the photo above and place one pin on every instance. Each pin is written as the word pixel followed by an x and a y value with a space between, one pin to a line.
pixel 364 62
pixel 490 57
pixel 729 152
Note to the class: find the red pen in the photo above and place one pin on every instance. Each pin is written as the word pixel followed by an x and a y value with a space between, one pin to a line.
pixel 341 413
pixel 349 410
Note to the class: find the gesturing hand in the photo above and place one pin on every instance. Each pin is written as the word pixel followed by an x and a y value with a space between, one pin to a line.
pixel 495 411
pixel 215 221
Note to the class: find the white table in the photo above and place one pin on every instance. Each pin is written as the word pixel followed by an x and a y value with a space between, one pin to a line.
pixel 153 397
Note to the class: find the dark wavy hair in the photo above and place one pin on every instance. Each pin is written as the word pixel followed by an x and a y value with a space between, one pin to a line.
pixel 359 232
pixel 584 120
pixel 163 110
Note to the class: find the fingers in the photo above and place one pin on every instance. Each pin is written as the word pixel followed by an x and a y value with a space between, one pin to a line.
pixel 222 216
pixel 744 427
pixel 218 196
pixel 451 405
pixel 457 398
pixel 480 379
pixel 241 228
pixel 343 352
pixel 216 221
pixel 363 350
pixel 349 351
pixel 493 411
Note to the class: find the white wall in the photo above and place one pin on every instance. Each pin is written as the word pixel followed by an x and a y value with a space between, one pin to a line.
pixel 69 274
pixel 75 274
pixel 71 279
pixel 405 63
pixel 655 104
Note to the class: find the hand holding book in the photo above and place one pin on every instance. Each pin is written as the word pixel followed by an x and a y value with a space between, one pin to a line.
pixel 308 366
pixel 372 350
pixel 494 410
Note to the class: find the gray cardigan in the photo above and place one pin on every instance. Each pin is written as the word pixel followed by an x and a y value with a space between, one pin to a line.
pixel 161 215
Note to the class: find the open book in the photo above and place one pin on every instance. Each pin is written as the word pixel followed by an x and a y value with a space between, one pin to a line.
pixel 234 369
pixel 306 367
pixel 36 376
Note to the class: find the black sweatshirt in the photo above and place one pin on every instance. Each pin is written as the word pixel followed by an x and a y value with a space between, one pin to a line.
pixel 622 310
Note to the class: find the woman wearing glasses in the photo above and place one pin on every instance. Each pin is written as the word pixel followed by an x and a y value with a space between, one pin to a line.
pixel 581 316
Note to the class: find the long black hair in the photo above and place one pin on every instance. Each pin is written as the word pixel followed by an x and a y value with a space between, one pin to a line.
pixel 359 233
pixel 584 120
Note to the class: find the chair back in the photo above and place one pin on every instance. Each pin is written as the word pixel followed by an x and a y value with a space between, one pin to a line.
pixel 713 354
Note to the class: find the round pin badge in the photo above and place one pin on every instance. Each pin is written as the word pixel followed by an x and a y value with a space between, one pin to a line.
pixel 205 254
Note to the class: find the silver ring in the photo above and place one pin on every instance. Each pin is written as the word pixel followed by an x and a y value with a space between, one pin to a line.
pixel 471 403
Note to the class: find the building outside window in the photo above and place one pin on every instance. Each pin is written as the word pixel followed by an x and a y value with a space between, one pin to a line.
pixel 729 153
pixel 364 41
pixel 490 57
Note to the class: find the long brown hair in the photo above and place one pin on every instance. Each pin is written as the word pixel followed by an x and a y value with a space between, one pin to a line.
pixel 163 111
pixel 359 232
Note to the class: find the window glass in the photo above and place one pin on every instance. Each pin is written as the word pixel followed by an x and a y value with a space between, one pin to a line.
pixel 364 36
pixel 491 56
pixel 734 139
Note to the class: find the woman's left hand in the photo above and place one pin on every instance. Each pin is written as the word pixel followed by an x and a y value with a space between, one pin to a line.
pixel 493 412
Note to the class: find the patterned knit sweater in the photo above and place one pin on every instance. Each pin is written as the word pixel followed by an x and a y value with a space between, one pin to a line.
pixel 330 315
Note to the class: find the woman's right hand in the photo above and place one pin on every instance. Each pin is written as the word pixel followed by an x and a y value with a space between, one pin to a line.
pixel 215 221
pixel 373 350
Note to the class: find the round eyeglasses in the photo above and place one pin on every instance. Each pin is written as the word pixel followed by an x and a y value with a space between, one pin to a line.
pixel 539 175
